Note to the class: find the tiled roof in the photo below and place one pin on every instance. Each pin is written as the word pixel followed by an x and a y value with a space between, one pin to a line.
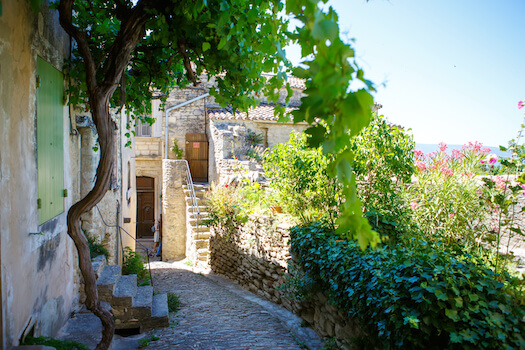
pixel 262 112
pixel 295 83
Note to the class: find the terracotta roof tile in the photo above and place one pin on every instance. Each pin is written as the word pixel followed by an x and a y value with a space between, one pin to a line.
pixel 262 112
pixel 295 83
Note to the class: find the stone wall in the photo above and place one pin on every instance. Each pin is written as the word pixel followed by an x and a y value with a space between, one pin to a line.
pixel 173 209
pixel 257 256
pixel 229 145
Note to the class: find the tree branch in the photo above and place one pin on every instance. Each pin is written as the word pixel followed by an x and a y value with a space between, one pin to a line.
pixel 65 10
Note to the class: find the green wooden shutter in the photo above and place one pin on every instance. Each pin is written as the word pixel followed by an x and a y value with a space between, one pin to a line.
pixel 50 143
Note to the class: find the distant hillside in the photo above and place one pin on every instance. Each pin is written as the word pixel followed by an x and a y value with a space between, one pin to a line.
pixel 429 148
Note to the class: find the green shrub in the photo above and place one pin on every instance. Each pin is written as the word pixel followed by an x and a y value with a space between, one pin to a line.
pixel 224 207
pixel 299 176
pixel 95 248
pixel 383 165
pixel 413 297
pixel 134 265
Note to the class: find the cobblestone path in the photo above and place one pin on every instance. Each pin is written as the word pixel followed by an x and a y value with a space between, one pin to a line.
pixel 213 317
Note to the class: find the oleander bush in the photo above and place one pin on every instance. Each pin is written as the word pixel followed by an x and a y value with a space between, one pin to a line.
pixel 413 296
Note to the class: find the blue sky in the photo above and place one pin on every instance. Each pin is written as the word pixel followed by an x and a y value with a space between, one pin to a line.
pixel 451 70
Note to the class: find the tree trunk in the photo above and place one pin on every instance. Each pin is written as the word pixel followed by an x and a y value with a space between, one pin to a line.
pixel 106 137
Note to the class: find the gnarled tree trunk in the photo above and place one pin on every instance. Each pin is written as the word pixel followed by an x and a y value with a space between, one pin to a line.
pixel 106 137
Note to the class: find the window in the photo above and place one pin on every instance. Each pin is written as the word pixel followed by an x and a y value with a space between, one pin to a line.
pixel 143 129
pixel 50 143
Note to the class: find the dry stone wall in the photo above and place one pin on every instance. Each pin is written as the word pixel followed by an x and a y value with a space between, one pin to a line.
pixel 257 256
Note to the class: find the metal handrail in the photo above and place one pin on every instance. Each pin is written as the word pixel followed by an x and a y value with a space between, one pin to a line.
pixel 136 241
pixel 193 198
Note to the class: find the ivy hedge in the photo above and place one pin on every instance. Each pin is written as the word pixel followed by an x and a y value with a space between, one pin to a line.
pixel 415 296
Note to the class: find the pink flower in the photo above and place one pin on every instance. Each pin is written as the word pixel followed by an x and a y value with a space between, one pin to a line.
pixel 447 171
pixel 485 150
pixel 226 186
pixel 482 161
pixel 500 182
pixel 451 215
pixel 493 158
pixel 420 165
pixel 457 154
pixel 419 154
pixel 414 205
pixel 443 146
pixel 521 104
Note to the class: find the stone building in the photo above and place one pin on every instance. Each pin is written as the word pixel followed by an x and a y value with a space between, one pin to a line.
pixel 213 140
pixel 47 163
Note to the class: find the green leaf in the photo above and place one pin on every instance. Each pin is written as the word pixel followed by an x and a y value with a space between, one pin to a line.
pixel 452 314
pixel 223 42
pixel 326 29
pixel 440 295
pixel 205 46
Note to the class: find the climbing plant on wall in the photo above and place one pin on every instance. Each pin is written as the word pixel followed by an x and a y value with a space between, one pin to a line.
pixel 128 52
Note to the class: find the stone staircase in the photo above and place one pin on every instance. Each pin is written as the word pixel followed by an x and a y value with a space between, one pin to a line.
pixel 198 235
pixel 133 307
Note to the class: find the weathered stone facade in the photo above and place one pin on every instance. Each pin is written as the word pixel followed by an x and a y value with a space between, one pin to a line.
pixel 174 210
pixel 257 256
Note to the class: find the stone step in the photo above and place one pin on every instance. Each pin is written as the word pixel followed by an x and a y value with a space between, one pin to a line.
pixel 139 313
pixel 125 291
pixel 199 190
pixel 159 313
pixel 202 215
pixel 201 202
pixel 201 243
pixel 200 221
pixel 202 208
pixel 98 264
pixel 200 229
pixel 201 235
pixel 107 281
pixel 200 194
pixel 202 254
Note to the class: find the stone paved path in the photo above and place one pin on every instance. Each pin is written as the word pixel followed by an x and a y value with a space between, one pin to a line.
pixel 215 316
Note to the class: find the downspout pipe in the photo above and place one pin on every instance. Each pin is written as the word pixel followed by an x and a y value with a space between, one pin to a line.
pixel 167 113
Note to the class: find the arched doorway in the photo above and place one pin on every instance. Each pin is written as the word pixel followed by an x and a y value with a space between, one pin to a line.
pixel 145 206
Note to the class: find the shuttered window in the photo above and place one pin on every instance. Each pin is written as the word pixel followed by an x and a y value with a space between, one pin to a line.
pixel 50 143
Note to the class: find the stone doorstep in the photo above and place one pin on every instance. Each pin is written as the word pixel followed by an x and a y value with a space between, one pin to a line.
pixel 125 291
pixel 107 281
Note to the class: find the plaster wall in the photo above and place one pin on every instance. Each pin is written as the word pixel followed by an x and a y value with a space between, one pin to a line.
pixel 37 261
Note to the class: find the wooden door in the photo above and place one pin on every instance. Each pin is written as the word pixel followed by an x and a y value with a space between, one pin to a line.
pixel 197 156
pixel 145 206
